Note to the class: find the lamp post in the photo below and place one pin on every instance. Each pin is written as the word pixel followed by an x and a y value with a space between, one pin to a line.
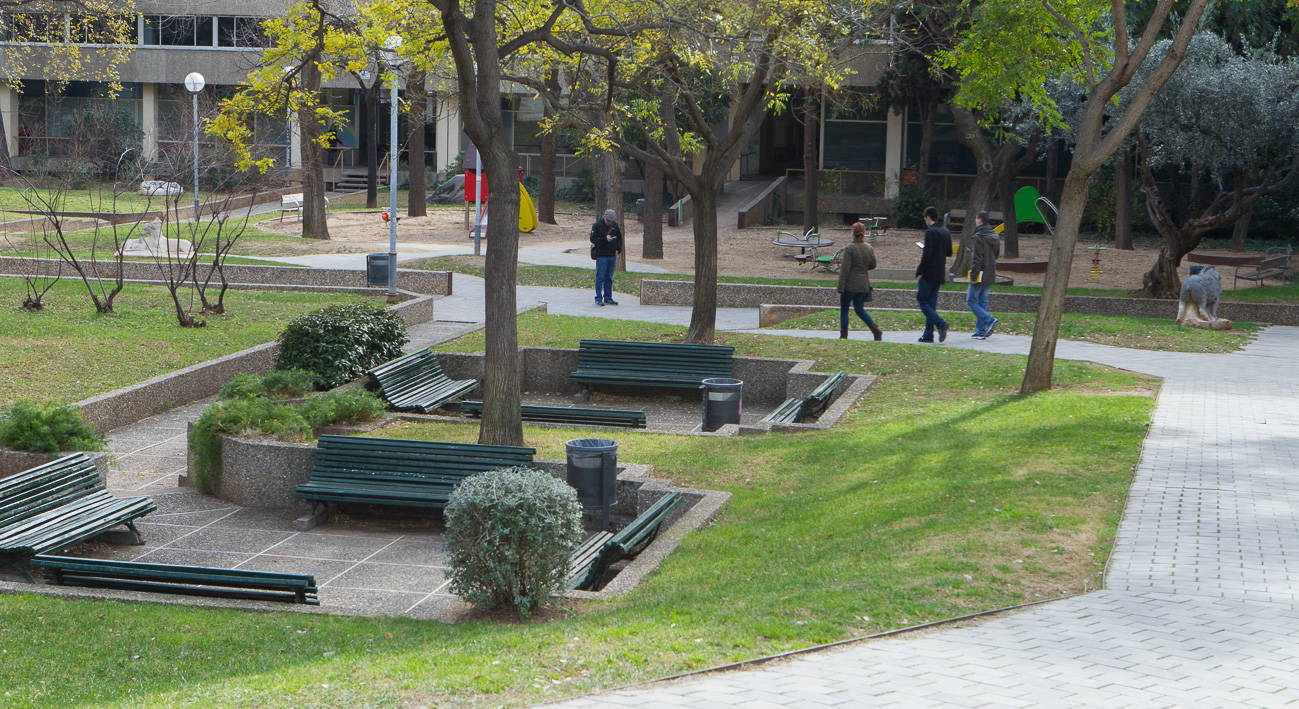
pixel 393 60
pixel 194 83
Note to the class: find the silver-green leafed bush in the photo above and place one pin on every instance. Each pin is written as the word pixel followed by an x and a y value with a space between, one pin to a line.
pixel 510 533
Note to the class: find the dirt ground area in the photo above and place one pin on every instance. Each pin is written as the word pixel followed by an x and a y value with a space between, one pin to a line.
pixel 741 252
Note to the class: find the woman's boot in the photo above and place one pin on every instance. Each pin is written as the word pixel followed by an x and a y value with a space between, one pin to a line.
pixel 877 332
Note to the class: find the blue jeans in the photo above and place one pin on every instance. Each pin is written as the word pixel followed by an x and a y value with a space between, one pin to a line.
pixel 927 299
pixel 604 267
pixel 976 299
pixel 857 300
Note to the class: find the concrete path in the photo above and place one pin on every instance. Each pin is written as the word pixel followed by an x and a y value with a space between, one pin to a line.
pixel 1201 600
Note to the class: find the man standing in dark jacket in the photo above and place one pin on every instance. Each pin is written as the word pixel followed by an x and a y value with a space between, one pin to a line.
pixel 606 244
pixel 986 246
pixel 932 273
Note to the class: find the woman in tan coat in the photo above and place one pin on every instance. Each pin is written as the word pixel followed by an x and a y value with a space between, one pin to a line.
pixel 855 263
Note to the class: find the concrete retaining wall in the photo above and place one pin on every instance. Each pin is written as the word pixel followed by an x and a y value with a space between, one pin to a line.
pixel 424 282
pixel 127 405
pixel 739 295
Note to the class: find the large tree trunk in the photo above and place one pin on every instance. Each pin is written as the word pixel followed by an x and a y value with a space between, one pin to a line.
pixel 315 215
pixel 652 223
pixel 1010 228
pixel 1240 231
pixel 703 316
pixel 372 146
pixel 417 201
pixel 549 146
pixel 1123 201
pixel 1046 330
pixel 977 200
pixel 615 198
pixel 928 114
pixel 811 164
pixel 1052 167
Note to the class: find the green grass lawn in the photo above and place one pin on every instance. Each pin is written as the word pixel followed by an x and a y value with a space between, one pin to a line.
pixel 68 352
pixel 1120 331
pixel 97 198
pixel 251 244
pixel 942 493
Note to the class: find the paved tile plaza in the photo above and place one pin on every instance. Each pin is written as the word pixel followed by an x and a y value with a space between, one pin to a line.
pixel 1201 602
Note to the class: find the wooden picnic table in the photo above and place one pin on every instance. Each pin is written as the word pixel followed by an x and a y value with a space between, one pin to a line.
pixel 802 243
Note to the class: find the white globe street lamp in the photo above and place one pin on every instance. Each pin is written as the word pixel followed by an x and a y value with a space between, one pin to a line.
pixel 194 83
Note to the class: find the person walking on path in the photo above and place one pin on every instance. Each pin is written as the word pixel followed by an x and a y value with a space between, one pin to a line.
pixel 606 244
pixel 932 274
pixel 986 247
pixel 855 282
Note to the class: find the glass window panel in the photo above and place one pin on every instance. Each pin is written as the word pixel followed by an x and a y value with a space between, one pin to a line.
pixel 226 32
pixel 177 31
pixel 855 145
pixel 203 35
pixel 249 32
pixel 153 29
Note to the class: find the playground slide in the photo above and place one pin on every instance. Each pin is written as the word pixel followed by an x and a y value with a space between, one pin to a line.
pixel 527 212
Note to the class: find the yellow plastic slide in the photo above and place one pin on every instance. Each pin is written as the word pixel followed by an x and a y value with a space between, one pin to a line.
pixel 527 212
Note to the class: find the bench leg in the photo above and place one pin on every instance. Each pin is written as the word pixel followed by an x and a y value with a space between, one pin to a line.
pixel 19 565
pixel 130 535
pixel 583 395
pixel 319 514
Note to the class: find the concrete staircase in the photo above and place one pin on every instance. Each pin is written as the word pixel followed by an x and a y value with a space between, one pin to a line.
pixel 355 181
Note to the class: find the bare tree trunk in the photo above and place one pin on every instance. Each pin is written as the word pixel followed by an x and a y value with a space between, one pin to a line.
pixel 1010 228
pixel 372 147
pixel 928 114
pixel 616 198
pixel 811 164
pixel 1046 330
pixel 1123 201
pixel 315 215
pixel 417 201
pixel 1240 230
pixel 549 146
pixel 703 316
pixel 1052 168
pixel 652 223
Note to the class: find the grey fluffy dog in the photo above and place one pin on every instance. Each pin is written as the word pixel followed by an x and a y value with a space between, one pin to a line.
pixel 1199 299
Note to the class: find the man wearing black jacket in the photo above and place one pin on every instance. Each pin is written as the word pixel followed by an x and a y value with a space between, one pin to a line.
pixel 606 244
pixel 932 274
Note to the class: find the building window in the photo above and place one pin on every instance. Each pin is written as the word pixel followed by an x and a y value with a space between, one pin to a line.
pixel 241 32
pixel 946 154
pixel 855 137
pixel 178 31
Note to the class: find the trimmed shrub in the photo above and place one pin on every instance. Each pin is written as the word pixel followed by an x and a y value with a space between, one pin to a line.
pixel 345 406
pixel 254 416
pixel 909 205
pixel 340 342
pixel 510 533
pixel 49 429
pixel 277 384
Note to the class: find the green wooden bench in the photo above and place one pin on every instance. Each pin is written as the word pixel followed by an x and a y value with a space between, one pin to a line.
pixel 415 382
pixel 597 554
pixel 797 409
pixel 567 414
pixel 652 364
pixel 389 471
pixel 56 505
pixel 188 580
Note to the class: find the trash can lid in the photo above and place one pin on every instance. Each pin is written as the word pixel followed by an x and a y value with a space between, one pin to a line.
pixel 591 445
pixel 721 383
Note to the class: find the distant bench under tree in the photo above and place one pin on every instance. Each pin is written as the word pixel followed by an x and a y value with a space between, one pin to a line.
pixel 594 557
pixel 57 505
pixel 567 414
pixel 415 382
pixel 650 364
pixel 390 471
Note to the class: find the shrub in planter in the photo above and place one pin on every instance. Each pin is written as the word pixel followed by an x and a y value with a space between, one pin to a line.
pixel 340 342
pixel 239 417
pixel 49 429
pixel 342 407
pixel 510 533
pixel 288 383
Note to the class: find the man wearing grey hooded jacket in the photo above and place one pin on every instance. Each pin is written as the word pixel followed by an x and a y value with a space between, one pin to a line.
pixel 983 273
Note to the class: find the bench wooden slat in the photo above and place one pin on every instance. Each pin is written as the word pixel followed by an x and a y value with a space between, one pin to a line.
pixel 190 580
pixel 1276 266
pixel 621 544
pixel 582 558
pixel 787 412
pixel 567 414
pixel 400 472
pixel 653 364
pixel 416 382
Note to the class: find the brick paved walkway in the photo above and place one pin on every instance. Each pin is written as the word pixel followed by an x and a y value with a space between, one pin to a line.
pixel 1201 602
